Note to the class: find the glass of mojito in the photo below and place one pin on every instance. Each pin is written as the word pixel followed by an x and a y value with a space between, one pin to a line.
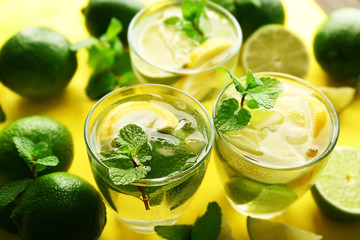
pixel 149 147
pixel 181 43
pixel 274 134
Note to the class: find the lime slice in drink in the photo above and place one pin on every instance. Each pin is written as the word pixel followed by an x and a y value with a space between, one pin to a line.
pixel 274 48
pixel 209 53
pixel 346 94
pixel 242 190
pixel 337 191
pixel 260 229
pixel 142 113
pixel 272 198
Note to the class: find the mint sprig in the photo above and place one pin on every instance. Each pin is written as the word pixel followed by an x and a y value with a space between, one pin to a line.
pixel 110 62
pixel 207 227
pixel 126 163
pixel 37 156
pixel 12 190
pixel 255 93
pixel 192 12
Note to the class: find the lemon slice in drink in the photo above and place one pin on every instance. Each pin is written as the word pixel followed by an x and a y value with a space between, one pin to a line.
pixel 142 113
pixel 319 115
pixel 337 191
pixel 340 97
pixel 273 48
pixel 209 53
pixel 165 47
pixel 260 229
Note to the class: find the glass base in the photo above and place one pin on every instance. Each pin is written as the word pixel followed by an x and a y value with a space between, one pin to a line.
pixel 146 227
pixel 243 210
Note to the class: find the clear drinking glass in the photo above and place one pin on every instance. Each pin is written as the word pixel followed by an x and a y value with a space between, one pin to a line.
pixel 262 172
pixel 158 109
pixel 162 54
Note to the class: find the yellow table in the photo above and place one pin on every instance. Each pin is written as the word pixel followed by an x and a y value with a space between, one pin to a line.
pixel 72 107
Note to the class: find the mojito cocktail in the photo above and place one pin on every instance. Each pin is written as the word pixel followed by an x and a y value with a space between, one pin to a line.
pixel 149 147
pixel 276 157
pixel 164 48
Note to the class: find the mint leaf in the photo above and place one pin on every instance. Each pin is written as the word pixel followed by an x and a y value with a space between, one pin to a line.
pixel 252 81
pixel 270 87
pixel 10 191
pixel 230 117
pixel 48 161
pixel 238 85
pixel 134 137
pixel 41 150
pixel 258 92
pixel 190 23
pixel 208 226
pixel 115 27
pixel 2 115
pixel 125 176
pixel 25 147
pixel 101 84
pixel 174 232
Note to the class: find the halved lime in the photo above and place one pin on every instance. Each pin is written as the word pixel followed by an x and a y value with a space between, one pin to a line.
pixel 340 97
pixel 260 229
pixel 337 190
pixel 274 48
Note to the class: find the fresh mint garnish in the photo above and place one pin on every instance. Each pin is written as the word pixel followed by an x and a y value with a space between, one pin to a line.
pixel 37 156
pixel 255 93
pixel 2 115
pixel 109 60
pixel 11 190
pixel 192 12
pixel 126 163
pixel 207 227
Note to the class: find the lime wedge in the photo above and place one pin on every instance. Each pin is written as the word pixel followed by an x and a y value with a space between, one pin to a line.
pixel 337 191
pixel 346 94
pixel 319 115
pixel 242 190
pixel 260 229
pixel 274 48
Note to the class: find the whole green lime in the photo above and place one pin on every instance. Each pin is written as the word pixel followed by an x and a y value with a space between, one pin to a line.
pixel 98 14
pixel 60 206
pixel 37 63
pixel 337 43
pixel 36 129
pixel 252 14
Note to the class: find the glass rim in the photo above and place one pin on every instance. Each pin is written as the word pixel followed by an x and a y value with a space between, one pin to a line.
pixel 165 3
pixel 163 180
pixel 334 133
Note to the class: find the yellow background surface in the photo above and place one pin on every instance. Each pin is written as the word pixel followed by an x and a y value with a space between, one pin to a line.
pixel 72 106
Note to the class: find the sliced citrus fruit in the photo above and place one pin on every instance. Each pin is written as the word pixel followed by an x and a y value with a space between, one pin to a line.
pixel 340 97
pixel 210 52
pixel 260 229
pixel 319 115
pixel 242 190
pixel 274 48
pixel 142 113
pixel 337 191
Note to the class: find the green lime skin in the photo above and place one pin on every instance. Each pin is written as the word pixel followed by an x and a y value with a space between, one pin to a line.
pixel 60 206
pixel 330 209
pixel 35 128
pixel 37 63
pixel 256 13
pixel 98 14
pixel 337 43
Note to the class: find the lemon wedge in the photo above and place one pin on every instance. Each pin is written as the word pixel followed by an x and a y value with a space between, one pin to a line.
pixel 210 52
pixel 340 97
pixel 142 113
pixel 319 115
